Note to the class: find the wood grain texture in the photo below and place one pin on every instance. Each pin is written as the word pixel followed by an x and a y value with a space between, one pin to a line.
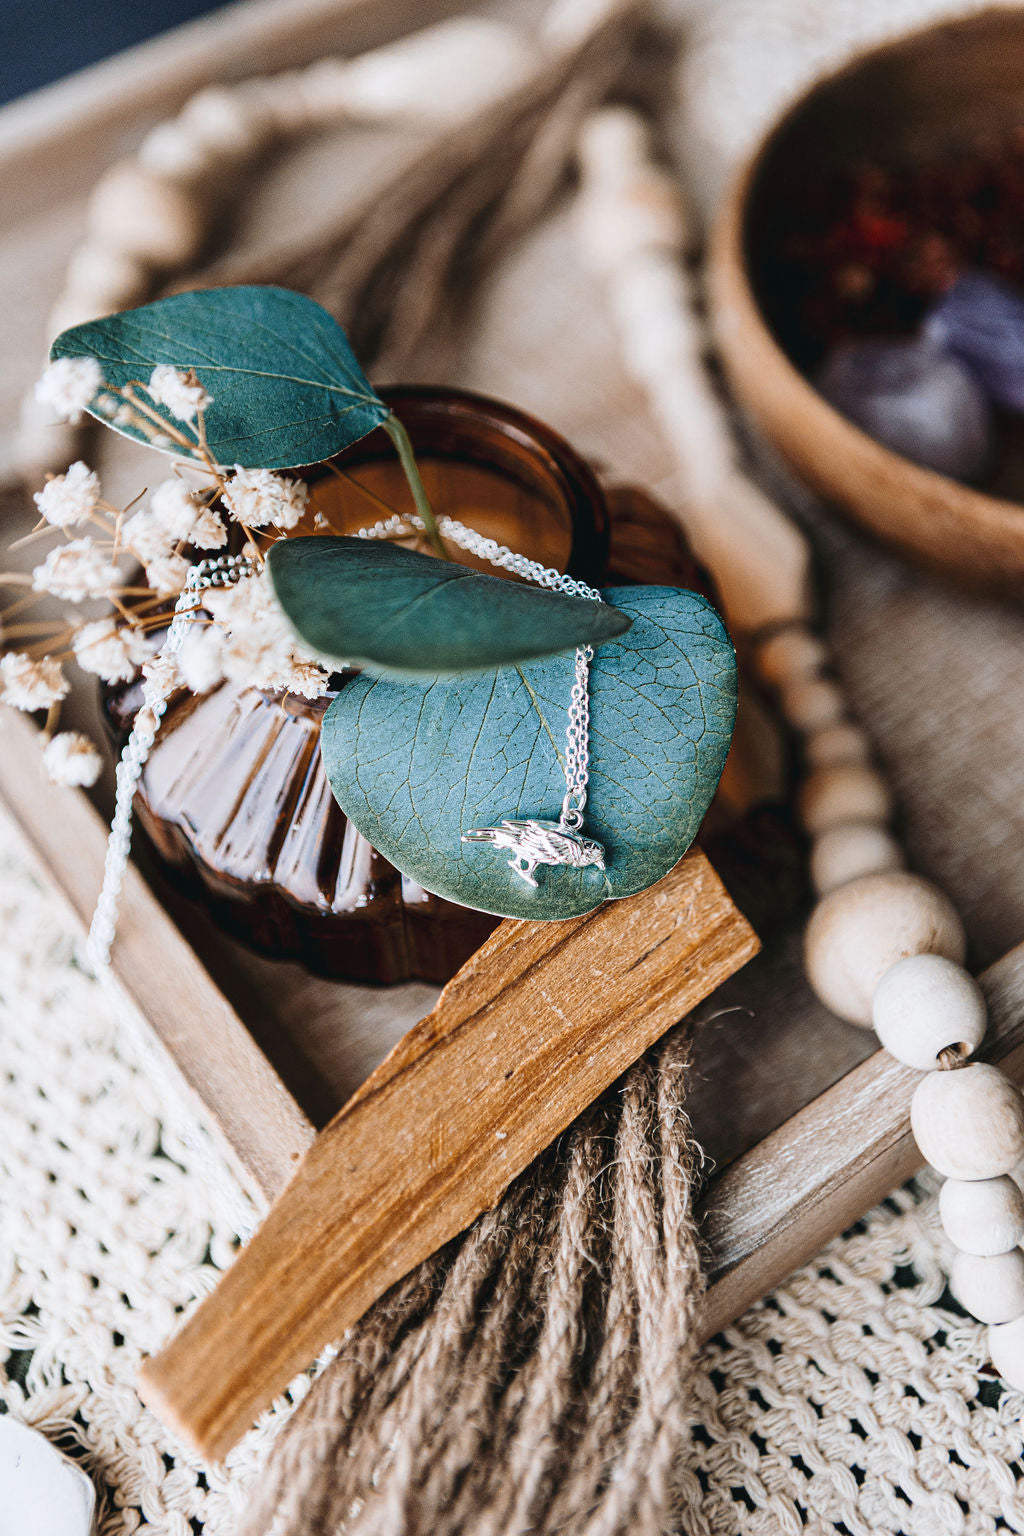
pixel 155 976
pixel 822 1169
pixel 537 1024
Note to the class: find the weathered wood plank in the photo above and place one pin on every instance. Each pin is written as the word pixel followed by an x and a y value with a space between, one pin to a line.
pixel 537 1024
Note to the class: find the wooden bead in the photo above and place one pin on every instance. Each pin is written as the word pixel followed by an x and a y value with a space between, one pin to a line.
pixel 790 656
pixel 926 1004
pixel 835 744
pixel 968 1123
pixel 98 275
pixel 853 849
pixel 858 931
pixel 174 152
pixel 230 122
pixel 847 792
pixel 983 1216
pixel 145 216
pixel 812 703
pixel 440 74
pixel 1006 1349
pixel 990 1289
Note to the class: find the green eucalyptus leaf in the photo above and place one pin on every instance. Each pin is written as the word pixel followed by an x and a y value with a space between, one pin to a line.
pixel 286 387
pixel 416 765
pixel 370 604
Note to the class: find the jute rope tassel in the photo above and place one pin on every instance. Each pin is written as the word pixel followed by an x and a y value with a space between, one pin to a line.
pixel 527 1378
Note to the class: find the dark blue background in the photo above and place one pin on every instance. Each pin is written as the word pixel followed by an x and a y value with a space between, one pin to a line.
pixel 41 40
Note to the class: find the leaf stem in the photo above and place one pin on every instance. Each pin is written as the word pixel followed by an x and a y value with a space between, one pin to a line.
pixel 400 437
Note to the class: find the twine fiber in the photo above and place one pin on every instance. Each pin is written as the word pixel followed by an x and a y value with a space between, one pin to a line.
pixel 530 1377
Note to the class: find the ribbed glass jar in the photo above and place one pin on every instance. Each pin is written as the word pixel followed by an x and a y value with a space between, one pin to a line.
pixel 234 796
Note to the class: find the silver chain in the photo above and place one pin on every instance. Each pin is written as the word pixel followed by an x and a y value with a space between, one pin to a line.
pixel 224 571
pixel 577 736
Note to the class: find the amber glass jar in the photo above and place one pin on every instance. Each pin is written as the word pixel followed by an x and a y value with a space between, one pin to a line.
pixel 234 796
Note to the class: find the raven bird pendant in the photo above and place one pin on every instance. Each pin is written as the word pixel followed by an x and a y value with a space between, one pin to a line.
pixel 539 842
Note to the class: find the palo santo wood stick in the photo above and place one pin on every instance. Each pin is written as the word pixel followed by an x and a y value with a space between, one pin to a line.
pixel 537 1024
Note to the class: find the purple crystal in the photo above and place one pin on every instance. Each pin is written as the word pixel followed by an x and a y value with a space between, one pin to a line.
pixel 915 399
pixel 981 321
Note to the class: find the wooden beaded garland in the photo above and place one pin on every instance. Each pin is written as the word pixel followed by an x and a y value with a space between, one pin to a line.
pixel 869 919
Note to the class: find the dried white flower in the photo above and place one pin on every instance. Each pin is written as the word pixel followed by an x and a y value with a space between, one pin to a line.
pixel 201 657
pixel 76 571
pixel 146 537
pixel 70 758
pixel 209 531
pixel 28 684
pixel 69 498
pixel 258 496
pixel 162 675
pixel 305 678
pixel 68 386
pixel 183 399
pixel 167 575
pixel 112 651
pixel 174 508
pixel 260 649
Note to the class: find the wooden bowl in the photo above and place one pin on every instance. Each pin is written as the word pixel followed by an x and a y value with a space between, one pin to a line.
pixel 909 101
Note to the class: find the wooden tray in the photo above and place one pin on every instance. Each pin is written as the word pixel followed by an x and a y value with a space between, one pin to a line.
pixel 806 1126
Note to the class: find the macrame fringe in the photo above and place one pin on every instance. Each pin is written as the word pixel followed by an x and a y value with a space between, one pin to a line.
pixel 528 1378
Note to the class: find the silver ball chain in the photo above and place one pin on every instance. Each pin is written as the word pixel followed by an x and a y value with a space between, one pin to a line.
pixel 225 571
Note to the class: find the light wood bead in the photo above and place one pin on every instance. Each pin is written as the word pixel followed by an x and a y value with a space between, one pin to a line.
pixel 790 656
pixel 96 274
pixel 851 850
pixel 968 1123
pixel 145 217
pixel 281 96
pixel 861 929
pixel 990 1289
pixel 230 123
pixel 812 703
pixel 983 1216
pixel 926 1004
pixel 835 744
pixel 441 74
pixel 847 792
pixel 1006 1350
pixel 175 152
